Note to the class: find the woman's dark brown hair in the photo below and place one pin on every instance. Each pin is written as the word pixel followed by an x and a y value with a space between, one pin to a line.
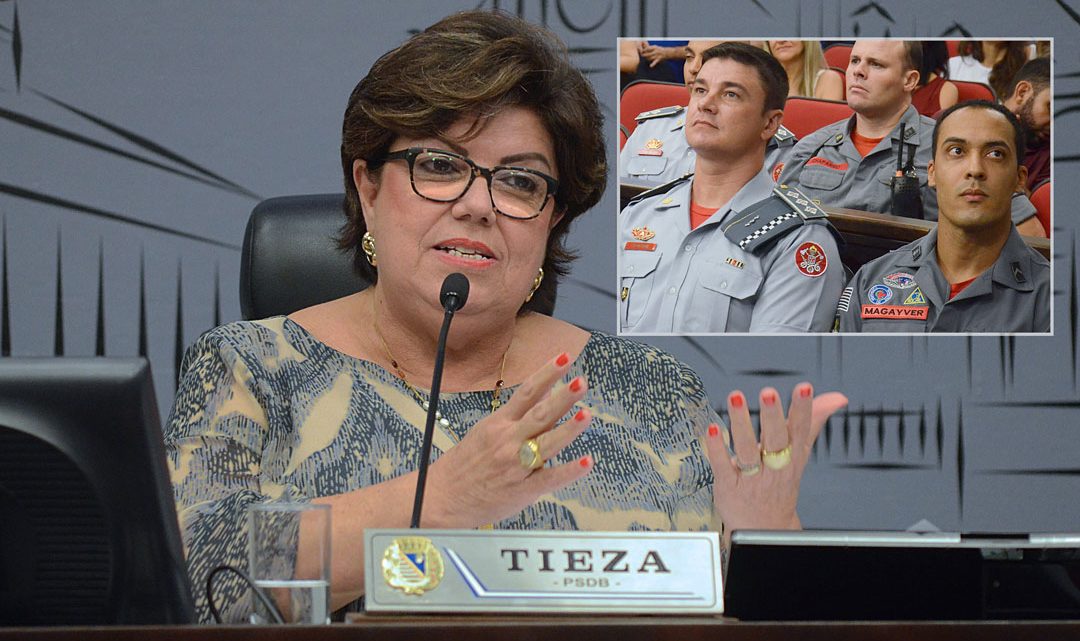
pixel 1001 74
pixel 471 65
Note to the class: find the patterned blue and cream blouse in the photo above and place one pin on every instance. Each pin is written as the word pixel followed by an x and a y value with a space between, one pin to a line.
pixel 266 411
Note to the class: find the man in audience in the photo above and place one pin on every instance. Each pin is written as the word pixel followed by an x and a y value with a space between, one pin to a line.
pixel 1029 99
pixel 973 273
pixel 854 163
pixel 724 249
pixel 657 152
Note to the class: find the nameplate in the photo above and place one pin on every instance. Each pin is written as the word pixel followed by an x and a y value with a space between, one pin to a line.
pixel 530 572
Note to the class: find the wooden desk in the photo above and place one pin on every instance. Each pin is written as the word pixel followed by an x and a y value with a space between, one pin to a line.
pixel 867 235
pixel 570 629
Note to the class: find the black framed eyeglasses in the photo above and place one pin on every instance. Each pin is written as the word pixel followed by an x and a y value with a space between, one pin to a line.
pixel 444 176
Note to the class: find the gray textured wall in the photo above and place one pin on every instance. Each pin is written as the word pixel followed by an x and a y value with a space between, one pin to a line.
pixel 136 136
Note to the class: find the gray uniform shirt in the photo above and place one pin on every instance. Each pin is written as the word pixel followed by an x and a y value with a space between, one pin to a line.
pixel 905 291
pixel 674 280
pixel 827 167
pixel 657 152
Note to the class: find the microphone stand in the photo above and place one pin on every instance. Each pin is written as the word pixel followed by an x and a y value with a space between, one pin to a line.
pixel 452 299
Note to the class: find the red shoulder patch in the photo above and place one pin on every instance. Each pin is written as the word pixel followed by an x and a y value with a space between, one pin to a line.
pixel 810 260
pixel 776 171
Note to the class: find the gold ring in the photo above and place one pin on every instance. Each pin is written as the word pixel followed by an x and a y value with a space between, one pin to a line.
pixel 748 470
pixel 777 460
pixel 529 455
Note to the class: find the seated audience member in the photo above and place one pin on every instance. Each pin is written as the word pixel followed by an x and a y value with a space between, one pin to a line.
pixel 657 152
pixel 542 425
pixel 808 74
pixel 973 273
pixel 991 62
pixel 852 163
pixel 725 250
pixel 1029 98
pixel 935 93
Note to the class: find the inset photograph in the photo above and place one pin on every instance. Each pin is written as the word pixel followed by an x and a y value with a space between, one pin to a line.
pixel 874 186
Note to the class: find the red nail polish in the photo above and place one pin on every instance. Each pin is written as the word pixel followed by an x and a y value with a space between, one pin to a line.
pixel 714 430
pixel 736 400
pixel 562 359
pixel 575 385
pixel 580 416
pixel 585 461
pixel 769 398
pixel 806 391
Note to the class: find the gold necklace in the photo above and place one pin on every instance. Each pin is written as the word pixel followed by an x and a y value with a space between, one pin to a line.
pixel 496 393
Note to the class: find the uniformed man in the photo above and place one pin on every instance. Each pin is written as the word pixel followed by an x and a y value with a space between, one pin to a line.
pixel 973 273
pixel 657 152
pixel 726 250
pixel 853 163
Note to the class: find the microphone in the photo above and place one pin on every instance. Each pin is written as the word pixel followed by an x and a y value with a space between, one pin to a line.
pixel 454 293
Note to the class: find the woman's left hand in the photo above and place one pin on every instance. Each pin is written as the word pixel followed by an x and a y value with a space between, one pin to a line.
pixel 758 487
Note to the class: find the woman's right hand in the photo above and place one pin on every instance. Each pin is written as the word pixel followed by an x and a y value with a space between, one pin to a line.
pixel 482 479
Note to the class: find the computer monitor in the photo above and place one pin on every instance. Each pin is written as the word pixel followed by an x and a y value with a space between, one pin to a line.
pixel 88 529
pixel 845 575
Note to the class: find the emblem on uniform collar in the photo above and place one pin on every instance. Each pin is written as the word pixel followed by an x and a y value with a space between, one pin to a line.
pixel 653 147
pixel 879 294
pixel 900 280
pixel 412 564
pixel 915 298
pixel 810 260
pixel 1017 272
pixel 642 233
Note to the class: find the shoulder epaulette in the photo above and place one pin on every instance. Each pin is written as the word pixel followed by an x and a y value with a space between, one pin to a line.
pixel 662 189
pixel 783 135
pixel 659 113
pixel 768 220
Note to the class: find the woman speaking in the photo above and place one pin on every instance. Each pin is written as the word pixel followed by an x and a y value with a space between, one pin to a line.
pixel 471 148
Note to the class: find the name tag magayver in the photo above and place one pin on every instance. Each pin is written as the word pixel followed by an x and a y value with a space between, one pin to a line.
pixel 529 572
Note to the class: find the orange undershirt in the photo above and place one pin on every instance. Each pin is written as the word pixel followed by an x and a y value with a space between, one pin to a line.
pixel 699 214
pixel 863 144
pixel 959 287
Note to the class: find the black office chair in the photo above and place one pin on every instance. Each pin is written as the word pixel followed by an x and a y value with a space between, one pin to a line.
pixel 290 258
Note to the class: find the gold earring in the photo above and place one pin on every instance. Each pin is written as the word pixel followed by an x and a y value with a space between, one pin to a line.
pixel 536 284
pixel 367 243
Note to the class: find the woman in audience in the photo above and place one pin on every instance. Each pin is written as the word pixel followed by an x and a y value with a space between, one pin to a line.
pixel 991 62
pixel 808 75
pixel 470 148
pixel 935 92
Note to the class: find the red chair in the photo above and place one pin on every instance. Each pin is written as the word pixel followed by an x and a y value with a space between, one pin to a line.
pixel 954 47
pixel 804 116
pixel 838 55
pixel 1040 197
pixel 967 90
pixel 644 95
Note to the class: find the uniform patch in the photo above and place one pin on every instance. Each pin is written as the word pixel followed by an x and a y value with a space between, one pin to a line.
pixel 776 171
pixel 810 260
pixel 653 147
pixel 639 247
pixel 900 280
pixel 879 294
pixel 915 298
pixel 642 233
pixel 818 160
pixel 737 264
pixel 895 312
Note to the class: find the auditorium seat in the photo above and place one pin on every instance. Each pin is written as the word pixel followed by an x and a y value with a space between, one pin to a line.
pixel 838 55
pixel 967 90
pixel 804 116
pixel 1040 197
